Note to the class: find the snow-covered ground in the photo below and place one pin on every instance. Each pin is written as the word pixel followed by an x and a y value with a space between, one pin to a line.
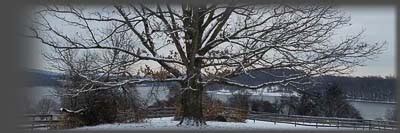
pixel 270 95
pixel 166 123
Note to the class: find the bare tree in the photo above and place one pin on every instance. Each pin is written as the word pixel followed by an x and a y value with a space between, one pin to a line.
pixel 84 100
pixel 46 106
pixel 199 44
pixel 391 114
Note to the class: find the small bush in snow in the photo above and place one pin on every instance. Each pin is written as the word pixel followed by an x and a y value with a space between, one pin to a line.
pixel 214 109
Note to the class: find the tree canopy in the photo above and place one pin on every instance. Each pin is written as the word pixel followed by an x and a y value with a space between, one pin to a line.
pixel 199 44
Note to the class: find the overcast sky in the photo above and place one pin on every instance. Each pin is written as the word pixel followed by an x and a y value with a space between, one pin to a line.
pixel 378 23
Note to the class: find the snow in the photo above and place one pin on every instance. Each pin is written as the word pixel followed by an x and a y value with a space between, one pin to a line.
pixel 168 123
pixel 273 94
pixel 370 101
pixel 264 94
pixel 261 92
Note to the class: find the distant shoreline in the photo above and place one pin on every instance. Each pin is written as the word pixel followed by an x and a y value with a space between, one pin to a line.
pixel 369 101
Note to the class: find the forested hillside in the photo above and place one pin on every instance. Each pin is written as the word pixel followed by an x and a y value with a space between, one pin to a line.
pixel 364 88
pixel 38 77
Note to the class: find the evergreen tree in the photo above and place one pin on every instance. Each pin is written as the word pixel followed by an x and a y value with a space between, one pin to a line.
pixel 307 106
pixel 334 104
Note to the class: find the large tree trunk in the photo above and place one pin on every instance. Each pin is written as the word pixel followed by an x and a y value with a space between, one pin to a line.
pixel 191 107
pixel 191 97
pixel 191 110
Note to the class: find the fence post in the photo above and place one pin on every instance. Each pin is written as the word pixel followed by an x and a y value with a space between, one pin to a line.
pixel 338 123
pixel 33 123
pixel 295 119
pixel 384 125
pixel 330 122
pixel 355 125
pixel 51 120
pixel 363 125
pixel 369 125
pixel 316 123
pixel 379 125
pixel 158 113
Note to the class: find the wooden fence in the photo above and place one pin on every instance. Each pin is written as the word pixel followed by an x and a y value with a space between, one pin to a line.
pixel 37 121
pixel 324 121
pixel 128 116
pixel 40 120
pixel 316 121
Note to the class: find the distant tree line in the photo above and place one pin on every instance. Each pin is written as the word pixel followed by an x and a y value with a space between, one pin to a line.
pixel 331 103
pixel 372 88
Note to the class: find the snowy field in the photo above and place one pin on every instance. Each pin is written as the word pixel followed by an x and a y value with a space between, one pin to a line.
pixel 166 123
pixel 259 94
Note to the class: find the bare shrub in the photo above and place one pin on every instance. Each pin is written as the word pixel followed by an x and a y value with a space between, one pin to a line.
pixel 69 120
pixel 213 110
pixel 262 106
pixel 46 106
pixel 240 101
pixel 391 114
pixel 106 106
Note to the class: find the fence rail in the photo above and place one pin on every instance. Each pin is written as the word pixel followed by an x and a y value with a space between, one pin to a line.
pixel 40 121
pixel 325 121
pixel 317 121
pixel 34 121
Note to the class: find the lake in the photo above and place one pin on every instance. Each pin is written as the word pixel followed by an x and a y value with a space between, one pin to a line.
pixel 373 110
